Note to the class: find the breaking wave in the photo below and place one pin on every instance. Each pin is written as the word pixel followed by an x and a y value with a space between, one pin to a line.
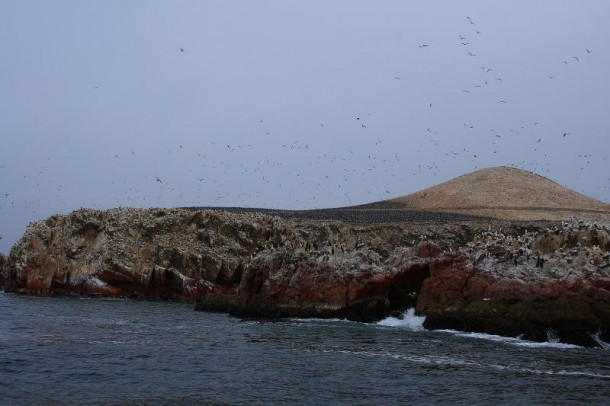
pixel 409 320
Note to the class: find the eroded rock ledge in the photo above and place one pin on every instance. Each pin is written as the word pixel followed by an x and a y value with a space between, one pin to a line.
pixel 508 279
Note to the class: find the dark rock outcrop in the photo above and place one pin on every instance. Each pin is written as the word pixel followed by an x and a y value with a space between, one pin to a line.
pixel 570 305
pixel 2 269
pixel 510 279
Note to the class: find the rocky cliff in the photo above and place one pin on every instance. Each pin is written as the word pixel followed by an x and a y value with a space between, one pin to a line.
pixel 503 278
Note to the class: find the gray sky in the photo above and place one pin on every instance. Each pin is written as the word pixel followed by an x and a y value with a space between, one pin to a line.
pixel 292 104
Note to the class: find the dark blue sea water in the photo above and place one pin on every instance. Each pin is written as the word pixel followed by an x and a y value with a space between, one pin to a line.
pixel 77 351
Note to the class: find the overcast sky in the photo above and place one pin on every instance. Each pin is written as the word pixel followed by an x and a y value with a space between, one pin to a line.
pixel 292 104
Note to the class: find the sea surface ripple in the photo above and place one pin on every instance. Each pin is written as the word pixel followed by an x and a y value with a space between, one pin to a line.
pixel 92 351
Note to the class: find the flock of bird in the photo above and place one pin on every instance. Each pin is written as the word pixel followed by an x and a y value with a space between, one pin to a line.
pixel 366 164
pixel 492 77
pixel 328 171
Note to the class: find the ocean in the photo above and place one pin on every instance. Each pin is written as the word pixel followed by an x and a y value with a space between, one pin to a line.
pixel 114 352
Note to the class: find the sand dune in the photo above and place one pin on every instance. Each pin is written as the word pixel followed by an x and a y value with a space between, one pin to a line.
pixel 505 193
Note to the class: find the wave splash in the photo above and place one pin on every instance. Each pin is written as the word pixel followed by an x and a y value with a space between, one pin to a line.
pixel 598 340
pixel 409 320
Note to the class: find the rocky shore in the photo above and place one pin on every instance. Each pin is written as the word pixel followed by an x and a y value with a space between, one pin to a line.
pixel 535 280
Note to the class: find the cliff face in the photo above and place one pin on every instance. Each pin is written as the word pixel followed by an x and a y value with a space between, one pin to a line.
pixel 460 275
pixel 554 283
pixel 184 255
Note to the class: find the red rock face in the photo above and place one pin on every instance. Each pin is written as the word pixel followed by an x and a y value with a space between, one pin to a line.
pixel 111 254
pixel 471 299
pixel 293 287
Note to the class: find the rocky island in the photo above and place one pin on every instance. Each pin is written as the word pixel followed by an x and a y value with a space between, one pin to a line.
pixel 500 251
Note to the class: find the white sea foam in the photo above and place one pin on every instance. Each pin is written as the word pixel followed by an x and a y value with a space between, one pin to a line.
pixel 449 360
pixel 409 320
pixel 545 344
pixel 512 340
pixel 315 320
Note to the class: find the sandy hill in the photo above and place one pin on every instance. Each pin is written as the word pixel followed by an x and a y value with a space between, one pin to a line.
pixel 506 193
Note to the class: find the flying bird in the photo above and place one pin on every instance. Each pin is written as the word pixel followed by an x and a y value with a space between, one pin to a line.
pixel 471 54
pixel 158 180
pixel 181 50
pixel 577 60
pixel 588 51
pixel 469 19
